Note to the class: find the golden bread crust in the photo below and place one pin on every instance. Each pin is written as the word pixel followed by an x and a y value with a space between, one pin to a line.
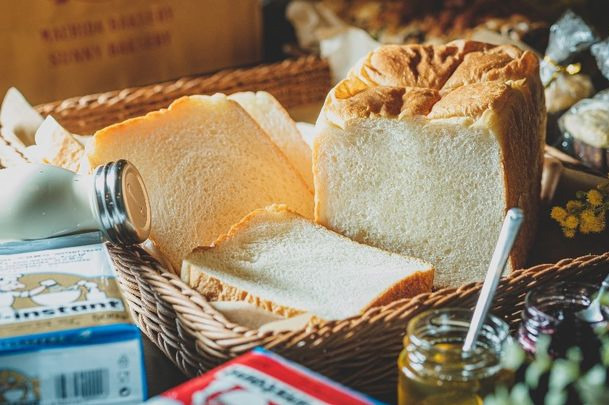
pixel 214 289
pixel 398 81
pixel 418 283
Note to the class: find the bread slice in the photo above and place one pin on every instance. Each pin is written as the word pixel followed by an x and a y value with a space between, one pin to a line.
pixel 18 124
pixel 56 146
pixel 12 152
pixel 19 118
pixel 422 149
pixel 206 164
pixel 288 265
pixel 278 124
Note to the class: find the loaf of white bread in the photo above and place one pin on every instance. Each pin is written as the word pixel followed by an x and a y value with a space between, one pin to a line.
pixel 287 264
pixel 206 164
pixel 422 149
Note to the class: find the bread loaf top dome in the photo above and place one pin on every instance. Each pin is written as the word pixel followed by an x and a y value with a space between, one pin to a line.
pixel 459 79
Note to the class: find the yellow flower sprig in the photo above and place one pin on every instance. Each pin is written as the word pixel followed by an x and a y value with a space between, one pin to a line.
pixel 586 214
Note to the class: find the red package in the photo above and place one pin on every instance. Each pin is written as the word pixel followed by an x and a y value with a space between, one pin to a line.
pixel 260 377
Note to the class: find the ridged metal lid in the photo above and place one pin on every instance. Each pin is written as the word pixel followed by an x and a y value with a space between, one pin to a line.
pixel 122 203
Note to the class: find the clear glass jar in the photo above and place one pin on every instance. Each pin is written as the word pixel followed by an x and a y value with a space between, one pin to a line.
pixel 546 306
pixel 434 369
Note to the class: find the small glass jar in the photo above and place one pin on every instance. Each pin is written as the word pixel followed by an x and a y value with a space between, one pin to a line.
pixel 434 369
pixel 546 306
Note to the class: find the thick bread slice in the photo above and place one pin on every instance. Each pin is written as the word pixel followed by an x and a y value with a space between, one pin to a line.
pixel 423 148
pixel 206 164
pixel 287 264
pixel 278 124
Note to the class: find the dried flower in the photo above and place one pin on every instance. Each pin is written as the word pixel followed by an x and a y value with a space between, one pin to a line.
pixel 594 197
pixel 574 205
pixel 559 214
pixel 571 222
pixel 569 233
pixel 591 221
pixel 585 214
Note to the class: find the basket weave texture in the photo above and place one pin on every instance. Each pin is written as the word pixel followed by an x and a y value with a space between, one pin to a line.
pixel 360 352
pixel 293 82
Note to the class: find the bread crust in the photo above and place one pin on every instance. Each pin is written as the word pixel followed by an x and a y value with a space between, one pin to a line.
pixel 215 289
pixel 425 75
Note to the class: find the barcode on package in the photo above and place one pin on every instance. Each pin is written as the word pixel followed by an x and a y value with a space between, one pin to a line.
pixel 97 374
pixel 85 385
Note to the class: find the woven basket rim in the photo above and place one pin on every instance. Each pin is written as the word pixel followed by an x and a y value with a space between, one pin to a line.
pixel 358 351
pixel 269 69
pixel 174 285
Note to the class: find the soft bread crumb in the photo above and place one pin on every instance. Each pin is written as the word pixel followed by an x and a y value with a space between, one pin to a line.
pixel 278 124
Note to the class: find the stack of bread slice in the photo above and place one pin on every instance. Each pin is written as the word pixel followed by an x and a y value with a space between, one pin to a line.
pixel 206 164
pixel 18 124
pixel 56 146
pixel 26 136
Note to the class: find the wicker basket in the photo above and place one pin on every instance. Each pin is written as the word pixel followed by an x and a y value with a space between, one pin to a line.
pixel 293 82
pixel 361 351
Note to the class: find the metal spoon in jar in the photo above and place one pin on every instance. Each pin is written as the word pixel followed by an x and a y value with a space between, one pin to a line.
pixel 593 313
pixel 507 236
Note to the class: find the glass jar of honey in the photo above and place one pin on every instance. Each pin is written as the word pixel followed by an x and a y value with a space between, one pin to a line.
pixel 434 369
pixel 547 306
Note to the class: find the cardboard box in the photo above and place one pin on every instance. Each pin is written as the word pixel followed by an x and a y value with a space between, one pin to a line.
pixel 66 336
pixel 54 49
pixel 261 377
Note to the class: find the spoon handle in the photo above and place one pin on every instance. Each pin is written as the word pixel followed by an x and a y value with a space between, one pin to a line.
pixel 507 236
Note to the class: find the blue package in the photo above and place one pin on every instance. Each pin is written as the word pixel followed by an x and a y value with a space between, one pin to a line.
pixel 66 336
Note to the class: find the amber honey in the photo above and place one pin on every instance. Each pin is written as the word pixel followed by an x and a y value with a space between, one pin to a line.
pixel 434 369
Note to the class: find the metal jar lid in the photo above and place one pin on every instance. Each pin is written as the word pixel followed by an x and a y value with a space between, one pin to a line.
pixel 122 203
